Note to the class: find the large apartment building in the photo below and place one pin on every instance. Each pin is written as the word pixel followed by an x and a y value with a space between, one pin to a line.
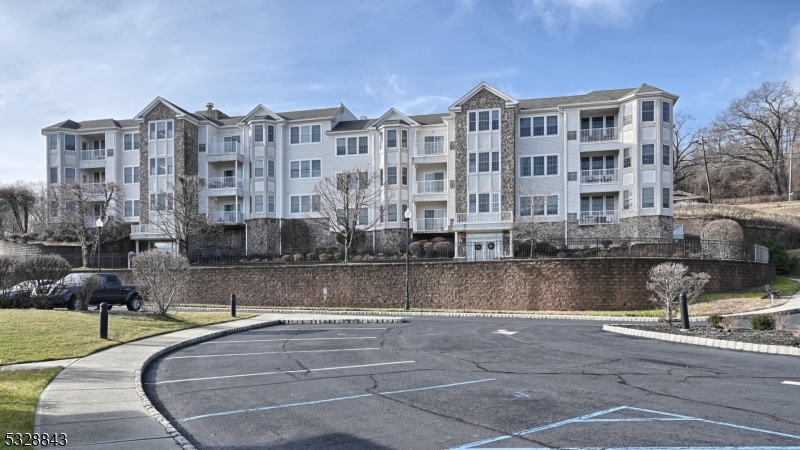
pixel 593 165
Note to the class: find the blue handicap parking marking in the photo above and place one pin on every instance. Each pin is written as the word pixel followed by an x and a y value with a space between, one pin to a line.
pixel 651 416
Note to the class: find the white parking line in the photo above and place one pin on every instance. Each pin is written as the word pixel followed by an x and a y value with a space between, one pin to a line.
pixel 282 372
pixel 270 353
pixel 289 339
pixel 796 383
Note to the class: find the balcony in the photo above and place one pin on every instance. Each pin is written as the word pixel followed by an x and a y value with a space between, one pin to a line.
pixel 431 225
pixel 598 217
pixel 431 187
pixel 90 222
pixel 148 231
pixel 93 155
pixel 600 134
pixel 225 183
pixel 599 176
pixel 486 217
pixel 225 151
pixel 431 152
pixel 225 217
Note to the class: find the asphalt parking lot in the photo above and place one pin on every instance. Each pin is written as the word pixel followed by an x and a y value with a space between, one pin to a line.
pixel 442 383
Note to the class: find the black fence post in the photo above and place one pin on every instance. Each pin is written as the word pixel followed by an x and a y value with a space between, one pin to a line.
pixel 104 320
pixel 233 305
pixel 684 312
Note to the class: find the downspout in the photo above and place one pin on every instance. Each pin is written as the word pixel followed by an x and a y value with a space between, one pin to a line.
pixel 566 177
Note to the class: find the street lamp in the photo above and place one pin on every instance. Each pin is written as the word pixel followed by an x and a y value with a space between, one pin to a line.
pixel 407 216
pixel 99 224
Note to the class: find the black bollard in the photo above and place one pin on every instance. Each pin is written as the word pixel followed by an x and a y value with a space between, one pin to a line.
pixel 103 320
pixel 684 312
pixel 233 305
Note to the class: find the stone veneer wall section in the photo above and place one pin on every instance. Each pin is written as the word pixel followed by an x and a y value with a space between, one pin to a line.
pixel 159 112
pixel 486 100
pixel 551 285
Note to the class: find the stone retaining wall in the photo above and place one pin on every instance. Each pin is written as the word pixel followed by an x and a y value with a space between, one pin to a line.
pixel 550 285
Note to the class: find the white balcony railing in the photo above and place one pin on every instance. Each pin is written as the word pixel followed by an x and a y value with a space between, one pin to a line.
pixel 430 148
pixel 225 183
pixel 93 155
pixel 431 187
pixel 226 148
pixel 599 176
pixel 94 188
pixel 598 217
pixel 486 217
pixel 431 225
pixel 226 217
pixel 148 228
pixel 90 222
pixel 599 134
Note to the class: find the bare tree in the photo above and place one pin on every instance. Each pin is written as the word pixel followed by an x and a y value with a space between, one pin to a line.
pixel 42 271
pixel 39 214
pixel 8 277
pixel 761 127
pixel 85 291
pixel 177 213
pixel 684 136
pixel 352 202
pixel 161 276
pixel 77 207
pixel 20 200
pixel 527 228
pixel 668 280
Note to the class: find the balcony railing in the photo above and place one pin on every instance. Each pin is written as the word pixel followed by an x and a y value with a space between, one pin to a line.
pixel 94 188
pixel 90 222
pixel 93 155
pixel 598 217
pixel 226 217
pixel 225 183
pixel 147 228
pixel 486 217
pixel 431 187
pixel 430 148
pixel 599 134
pixel 226 148
pixel 599 176
pixel 431 225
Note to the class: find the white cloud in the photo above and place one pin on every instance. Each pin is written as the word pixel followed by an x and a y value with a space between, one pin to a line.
pixel 367 89
pixel 560 17
pixel 393 83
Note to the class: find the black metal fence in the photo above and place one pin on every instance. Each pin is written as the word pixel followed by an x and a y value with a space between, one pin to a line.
pixel 475 251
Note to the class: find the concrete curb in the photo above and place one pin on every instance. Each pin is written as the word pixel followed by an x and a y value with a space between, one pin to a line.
pixel 716 343
pixel 137 378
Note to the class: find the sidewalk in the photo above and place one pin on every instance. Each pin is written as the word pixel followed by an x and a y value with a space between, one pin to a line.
pixel 98 400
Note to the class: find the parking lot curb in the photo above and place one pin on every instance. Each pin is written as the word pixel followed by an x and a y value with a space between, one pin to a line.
pixel 137 378
pixel 716 343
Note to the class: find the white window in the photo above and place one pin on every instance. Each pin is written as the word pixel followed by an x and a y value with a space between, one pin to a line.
pixel 483 161
pixel 161 202
pixel 258 204
pixel 495 161
pixel 69 142
pixel 472 121
pixel 665 112
pixel 309 168
pixel 52 142
pixel 53 175
pixel 258 172
pixel 391 213
pixel 131 208
pixel 161 166
pixel 271 168
pixel 69 175
pixel 304 203
pixel 665 198
pixel 538 205
pixel 525 127
pixel 665 157
pixel 391 138
pixel 648 113
pixel 472 162
pixel 130 141
pixel 271 203
pixel 648 197
pixel 404 176
pixel 525 166
pixel 627 199
pixel 391 175
pixel 304 134
pixel 130 174
pixel 538 166
pixel 363 216
pixel 161 130
pixel 258 134
pixel 352 146
pixel 627 114
pixel 486 120
pixel 648 154
pixel 495 202
pixel 626 157
pixel 270 133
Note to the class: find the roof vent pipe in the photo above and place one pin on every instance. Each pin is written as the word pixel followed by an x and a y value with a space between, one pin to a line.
pixel 209 106
pixel 363 118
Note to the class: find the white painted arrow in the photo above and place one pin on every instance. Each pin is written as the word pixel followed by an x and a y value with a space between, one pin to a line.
pixel 507 333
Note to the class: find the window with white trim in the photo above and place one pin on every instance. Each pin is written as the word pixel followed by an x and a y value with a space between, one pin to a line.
pixel 131 208
pixel 352 146
pixel 495 161
pixel 258 135
pixel 648 154
pixel 304 134
pixel 258 204
pixel 161 166
pixel 404 176
pixel 271 168
pixel 538 166
pixel 391 138
pixel 665 198
pixel 626 157
pixel 308 168
pixel 69 142
pixel 648 111
pixel 391 176
pixel 270 133
pixel 627 114
pixel 161 130
pixel 130 141
pixel 304 203
pixel 391 212
pixel 538 205
pixel 271 203
pixel 404 138
pixel 627 199
pixel 52 142
pixel 484 120
pixel 648 197
pixel 69 175
pixel 161 202
pixel 524 127
pixel 666 112
pixel 258 171
pixel 130 174
pixel 53 175
pixel 665 156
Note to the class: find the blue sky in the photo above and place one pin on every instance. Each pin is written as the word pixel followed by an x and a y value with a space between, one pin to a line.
pixel 94 59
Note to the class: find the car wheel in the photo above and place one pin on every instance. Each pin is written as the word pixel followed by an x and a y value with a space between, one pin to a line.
pixel 74 304
pixel 135 303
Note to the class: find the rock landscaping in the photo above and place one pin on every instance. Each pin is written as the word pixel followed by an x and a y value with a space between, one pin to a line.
pixel 769 337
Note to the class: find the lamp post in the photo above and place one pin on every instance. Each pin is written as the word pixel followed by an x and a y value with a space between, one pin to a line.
pixel 407 216
pixel 99 224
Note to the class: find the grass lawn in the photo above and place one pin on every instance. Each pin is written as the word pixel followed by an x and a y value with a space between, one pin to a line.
pixel 19 391
pixel 40 335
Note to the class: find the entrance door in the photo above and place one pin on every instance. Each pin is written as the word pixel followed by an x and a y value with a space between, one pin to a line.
pixel 484 246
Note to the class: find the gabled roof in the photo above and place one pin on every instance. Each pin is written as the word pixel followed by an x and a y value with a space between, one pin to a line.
pixel 399 118
pixel 93 124
pixel 352 125
pixel 324 113
pixel 178 110
pixel 484 85
pixel 260 111
pixel 610 95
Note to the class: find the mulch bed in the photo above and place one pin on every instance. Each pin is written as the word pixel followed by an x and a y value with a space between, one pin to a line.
pixel 772 337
